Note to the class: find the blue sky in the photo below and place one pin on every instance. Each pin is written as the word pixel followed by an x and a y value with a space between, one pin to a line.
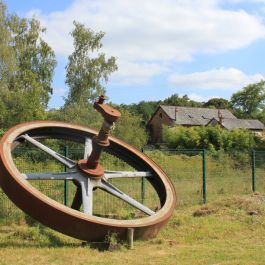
pixel 204 49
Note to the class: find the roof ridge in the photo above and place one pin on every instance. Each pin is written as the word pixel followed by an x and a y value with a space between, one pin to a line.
pixel 191 107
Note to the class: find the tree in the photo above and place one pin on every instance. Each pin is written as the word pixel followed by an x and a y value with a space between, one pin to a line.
pixel 26 69
pixel 87 68
pixel 145 109
pixel 218 103
pixel 249 102
pixel 7 56
pixel 129 129
pixel 184 101
pixel 78 114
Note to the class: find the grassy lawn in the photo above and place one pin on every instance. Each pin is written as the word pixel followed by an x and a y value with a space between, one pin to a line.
pixel 226 231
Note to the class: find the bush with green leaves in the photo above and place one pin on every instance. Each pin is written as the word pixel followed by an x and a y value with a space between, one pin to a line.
pixel 212 138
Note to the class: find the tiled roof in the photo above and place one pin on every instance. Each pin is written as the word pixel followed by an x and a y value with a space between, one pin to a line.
pixel 231 124
pixel 195 116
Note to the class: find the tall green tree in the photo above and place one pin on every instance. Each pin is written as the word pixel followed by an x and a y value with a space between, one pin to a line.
pixel 218 103
pixel 26 69
pixel 144 109
pixel 7 56
pixel 184 101
pixel 87 67
pixel 250 101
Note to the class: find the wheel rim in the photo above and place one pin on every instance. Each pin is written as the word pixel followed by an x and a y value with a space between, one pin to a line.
pixel 84 226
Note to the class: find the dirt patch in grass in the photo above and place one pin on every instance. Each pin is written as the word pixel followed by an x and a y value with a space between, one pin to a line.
pixel 204 210
pixel 253 205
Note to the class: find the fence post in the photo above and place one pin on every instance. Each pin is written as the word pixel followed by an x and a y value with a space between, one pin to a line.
pixel 65 181
pixel 204 189
pixel 253 171
pixel 142 184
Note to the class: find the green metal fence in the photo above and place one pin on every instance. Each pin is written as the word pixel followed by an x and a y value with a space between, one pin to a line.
pixel 187 171
pixel 258 171
pixel 197 176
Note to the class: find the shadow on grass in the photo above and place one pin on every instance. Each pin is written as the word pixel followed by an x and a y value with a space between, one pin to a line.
pixel 34 236
pixel 31 234
pixel 42 237
pixel 39 236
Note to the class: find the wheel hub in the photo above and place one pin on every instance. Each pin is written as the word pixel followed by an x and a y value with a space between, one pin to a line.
pixel 94 173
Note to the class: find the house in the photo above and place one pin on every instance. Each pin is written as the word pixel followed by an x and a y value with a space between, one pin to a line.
pixel 230 124
pixel 188 116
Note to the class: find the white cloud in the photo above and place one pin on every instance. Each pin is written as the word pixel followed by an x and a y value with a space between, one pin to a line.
pixel 155 29
pixel 59 91
pixel 148 33
pixel 221 79
pixel 200 98
pixel 133 73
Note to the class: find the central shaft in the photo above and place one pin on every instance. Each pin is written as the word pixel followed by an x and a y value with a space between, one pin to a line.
pixel 92 166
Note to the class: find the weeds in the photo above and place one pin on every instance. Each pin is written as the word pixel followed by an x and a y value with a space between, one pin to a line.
pixel 113 242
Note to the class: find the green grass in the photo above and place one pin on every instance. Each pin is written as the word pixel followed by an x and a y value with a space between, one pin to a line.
pixel 228 231
pixel 225 177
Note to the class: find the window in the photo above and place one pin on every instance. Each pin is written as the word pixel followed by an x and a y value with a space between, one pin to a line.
pixel 160 115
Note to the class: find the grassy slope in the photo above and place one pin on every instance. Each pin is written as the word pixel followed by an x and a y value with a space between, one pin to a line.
pixel 228 231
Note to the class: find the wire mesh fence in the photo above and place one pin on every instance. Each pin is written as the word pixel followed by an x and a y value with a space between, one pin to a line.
pixel 195 175
pixel 185 169
pixel 258 171
pixel 30 160
pixel 228 175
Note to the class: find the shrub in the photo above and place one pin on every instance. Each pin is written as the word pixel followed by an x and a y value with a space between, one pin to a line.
pixel 211 138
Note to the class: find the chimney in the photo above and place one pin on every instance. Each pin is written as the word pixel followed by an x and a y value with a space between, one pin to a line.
pixel 220 116
pixel 176 110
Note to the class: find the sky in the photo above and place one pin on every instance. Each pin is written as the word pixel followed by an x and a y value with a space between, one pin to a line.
pixel 200 48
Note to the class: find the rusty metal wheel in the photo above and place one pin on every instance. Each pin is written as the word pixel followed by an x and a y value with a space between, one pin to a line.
pixel 70 221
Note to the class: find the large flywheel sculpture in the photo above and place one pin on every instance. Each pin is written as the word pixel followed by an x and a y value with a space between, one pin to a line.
pixel 88 175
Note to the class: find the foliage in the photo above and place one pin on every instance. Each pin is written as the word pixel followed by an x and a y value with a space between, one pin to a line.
pixel 249 102
pixel 211 137
pixel 127 127
pixel 75 113
pixel 147 108
pixel 26 69
pixel 184 101
pixel 1 132
pixel 217 103
pixel 87 68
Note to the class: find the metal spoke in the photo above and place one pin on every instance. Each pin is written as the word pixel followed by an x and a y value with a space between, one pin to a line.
pixel 126 174
pixel 77 201
pixel 116 192
pixel 80 194
pixel 87 195
pixel 88 147
pixel 52 176
pixel 64 160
